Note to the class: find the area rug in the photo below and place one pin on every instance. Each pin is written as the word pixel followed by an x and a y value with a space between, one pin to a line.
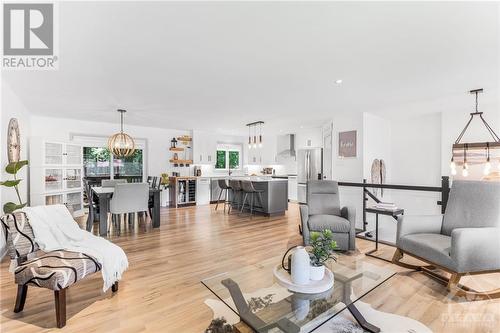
pixel 342 323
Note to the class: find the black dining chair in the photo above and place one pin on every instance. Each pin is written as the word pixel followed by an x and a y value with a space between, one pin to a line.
pixel 155 185
pixel 92 204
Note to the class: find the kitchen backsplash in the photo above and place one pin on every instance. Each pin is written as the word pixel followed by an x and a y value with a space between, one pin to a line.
pixel 208 170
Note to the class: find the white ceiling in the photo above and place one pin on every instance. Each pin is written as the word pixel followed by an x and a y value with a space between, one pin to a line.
pixel 221 65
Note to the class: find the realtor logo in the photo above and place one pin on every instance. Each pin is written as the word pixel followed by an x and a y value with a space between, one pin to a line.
pixel 28 36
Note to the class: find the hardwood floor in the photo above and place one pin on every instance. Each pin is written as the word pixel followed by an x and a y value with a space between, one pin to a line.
pixel 161 291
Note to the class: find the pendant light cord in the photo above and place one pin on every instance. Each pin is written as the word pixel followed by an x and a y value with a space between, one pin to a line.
pixel 121 121
pixel 496 138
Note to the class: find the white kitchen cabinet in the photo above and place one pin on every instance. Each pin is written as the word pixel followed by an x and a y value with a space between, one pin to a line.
pixel 292 188
pixel 204 147
pixel 254 156
pixel 56 171
pixel 309 138
pixel 269 150
pixel 72 199
pixel 203 191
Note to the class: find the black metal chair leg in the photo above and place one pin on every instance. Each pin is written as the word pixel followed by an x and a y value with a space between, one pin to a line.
pixel 243 204
pixel 218 199
pixel 90 221
pixel 251 204
pixel 225 201
pixel 240 193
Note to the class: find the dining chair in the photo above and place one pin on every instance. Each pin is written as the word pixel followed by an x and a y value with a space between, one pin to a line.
pixel 154 183
pixel 112 182
pixel 129 198
pixel 92 204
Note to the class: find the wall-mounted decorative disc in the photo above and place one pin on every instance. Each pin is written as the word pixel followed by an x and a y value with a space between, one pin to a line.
pixel 13 141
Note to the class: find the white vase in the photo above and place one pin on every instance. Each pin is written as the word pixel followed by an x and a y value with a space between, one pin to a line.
pixel 300 266
pixel 300 306
pixel 317 272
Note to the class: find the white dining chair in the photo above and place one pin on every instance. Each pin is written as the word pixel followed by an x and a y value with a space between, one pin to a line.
pixel 112 182
pixel 129 198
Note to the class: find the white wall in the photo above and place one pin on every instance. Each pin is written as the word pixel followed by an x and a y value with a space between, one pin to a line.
pixel 12 107
pixel 416 150
pixel 376 144
pixel 349 169
pixel 157 139
pixel 416 160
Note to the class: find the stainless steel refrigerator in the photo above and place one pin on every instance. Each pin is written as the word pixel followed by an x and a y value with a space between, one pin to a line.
pixel 309 167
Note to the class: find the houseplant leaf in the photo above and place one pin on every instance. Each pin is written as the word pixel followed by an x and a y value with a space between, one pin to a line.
pixel 10 183
pixel 10 207
pixel 13 167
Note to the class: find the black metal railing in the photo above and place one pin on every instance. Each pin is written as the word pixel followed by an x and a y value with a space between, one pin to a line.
pixel 444 189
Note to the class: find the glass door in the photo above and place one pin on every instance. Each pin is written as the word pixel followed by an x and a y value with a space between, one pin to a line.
pixel 99 163
pixel 73 178
pixel 74 201
pixel 53 153
pixel 96 163
pixel 53 179
pixel 130 167
pixel 54 199
pixel 73 154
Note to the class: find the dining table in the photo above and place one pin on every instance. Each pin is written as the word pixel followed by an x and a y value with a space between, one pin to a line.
pixel 104 195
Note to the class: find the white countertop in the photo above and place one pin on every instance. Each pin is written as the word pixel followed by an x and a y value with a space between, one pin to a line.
pixel 252 178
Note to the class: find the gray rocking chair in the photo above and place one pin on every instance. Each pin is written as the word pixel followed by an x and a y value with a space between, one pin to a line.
pixel 465 241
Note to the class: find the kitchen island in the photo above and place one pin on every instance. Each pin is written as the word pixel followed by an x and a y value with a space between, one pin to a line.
pixel 274 196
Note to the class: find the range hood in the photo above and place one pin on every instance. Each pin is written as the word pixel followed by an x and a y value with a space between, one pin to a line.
pixel 286 145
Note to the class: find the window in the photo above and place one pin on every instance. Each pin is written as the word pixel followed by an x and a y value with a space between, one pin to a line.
pixel 128 166
pixel 234 159
pixel 98 162
pixel 228 157
pixel 221 159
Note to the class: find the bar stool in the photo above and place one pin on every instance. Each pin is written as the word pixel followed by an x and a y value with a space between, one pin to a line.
pixel 248 188
pixel 224 187
pixel 237 192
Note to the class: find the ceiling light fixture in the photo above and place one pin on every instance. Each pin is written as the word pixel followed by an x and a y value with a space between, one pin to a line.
pixel 252 142
pixel 466 147
pixel 121 144
pixel 339 81
pixel 249 138
pixel 260 135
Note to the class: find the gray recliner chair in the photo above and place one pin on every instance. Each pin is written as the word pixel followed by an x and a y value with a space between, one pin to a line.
pixel 323 211
pixel 466 240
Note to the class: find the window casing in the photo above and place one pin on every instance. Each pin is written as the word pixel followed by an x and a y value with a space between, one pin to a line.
pixel 228 156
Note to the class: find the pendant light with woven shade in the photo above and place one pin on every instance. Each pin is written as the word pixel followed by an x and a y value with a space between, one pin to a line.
pixel 121 144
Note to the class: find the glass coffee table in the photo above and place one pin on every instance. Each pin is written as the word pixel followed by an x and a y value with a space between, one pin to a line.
pixel 255 296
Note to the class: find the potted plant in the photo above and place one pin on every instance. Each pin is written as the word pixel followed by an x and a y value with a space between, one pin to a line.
pixel 12 169
pixel 322 248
